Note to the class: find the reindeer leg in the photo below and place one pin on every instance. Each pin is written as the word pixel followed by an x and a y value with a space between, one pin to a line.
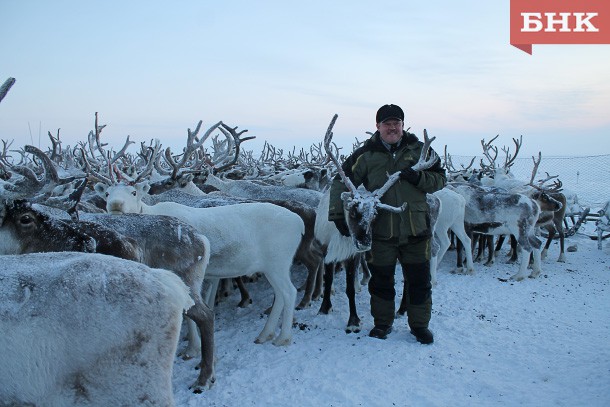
pixel 562 256
pixel 522 266
pixel 366 272
pixel 203 317
pixel 536 270
pixel 513 250
pixel 464 240
pixel 460 260
pixel 312 283
pixel 489 242
pixel 245 295
pixel 317 292
pixel 481 242
pixel 351 266
pixel 210 291
pixel 283 305
pixel 326 306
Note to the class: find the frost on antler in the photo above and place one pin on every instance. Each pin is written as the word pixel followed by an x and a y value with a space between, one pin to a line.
pixel 425 163
pixel 327 139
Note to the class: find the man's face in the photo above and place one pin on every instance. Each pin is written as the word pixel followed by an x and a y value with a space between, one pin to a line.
pixel 390 130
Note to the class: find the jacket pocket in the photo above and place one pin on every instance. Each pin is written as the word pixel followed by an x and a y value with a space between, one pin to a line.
pixel 416 219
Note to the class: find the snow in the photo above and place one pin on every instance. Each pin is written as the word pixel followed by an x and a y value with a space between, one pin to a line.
pixel 542 342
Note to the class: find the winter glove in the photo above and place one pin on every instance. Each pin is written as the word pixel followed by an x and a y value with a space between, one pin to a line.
pixel 342 227
pixel 410 175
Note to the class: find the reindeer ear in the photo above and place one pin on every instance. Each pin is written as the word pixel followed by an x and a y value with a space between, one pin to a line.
pixel 101 188
pixel 189 177
pixel 142 187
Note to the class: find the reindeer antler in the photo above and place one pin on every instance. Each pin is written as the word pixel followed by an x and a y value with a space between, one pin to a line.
pixel 487 147
pixel 231 132
pixel 423 163
pixel 327 139
pixel 510 160
pixel 557 184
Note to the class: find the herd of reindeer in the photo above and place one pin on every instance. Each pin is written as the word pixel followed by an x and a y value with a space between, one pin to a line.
pixel 104 251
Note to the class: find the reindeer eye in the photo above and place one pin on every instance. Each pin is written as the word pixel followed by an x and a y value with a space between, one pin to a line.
pixel 133 193
pixel 107 194
pixel 26 220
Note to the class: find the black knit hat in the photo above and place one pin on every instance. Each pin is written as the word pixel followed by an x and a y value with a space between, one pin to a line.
pixel 386 112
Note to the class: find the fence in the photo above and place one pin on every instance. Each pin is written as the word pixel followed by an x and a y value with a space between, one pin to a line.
pixel 587 176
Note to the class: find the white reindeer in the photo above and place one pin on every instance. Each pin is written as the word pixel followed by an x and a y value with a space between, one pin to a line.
pixel 245 239
pixel 87 329
pixel 450 217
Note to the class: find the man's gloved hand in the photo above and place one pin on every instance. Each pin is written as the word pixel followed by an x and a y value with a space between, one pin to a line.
pixel 342 227
pixel 410 175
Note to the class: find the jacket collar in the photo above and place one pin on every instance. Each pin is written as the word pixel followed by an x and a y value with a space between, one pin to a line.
pixel 407 141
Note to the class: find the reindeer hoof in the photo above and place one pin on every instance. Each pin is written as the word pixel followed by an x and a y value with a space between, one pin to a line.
pixel 325 309
pixel 303 305
pixel 245 302
pixel 517 277
pixel 198 388
pixel 263 339
pixel 189 354
pixel 282 341
pixel 185 356
pixel 353 326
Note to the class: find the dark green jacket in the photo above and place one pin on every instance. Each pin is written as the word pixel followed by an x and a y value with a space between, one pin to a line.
pixel 370 166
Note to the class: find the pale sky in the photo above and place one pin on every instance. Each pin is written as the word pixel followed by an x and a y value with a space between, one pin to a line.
pixel 280 69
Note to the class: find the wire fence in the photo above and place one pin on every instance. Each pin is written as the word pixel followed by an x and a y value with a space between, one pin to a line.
pixel 587 176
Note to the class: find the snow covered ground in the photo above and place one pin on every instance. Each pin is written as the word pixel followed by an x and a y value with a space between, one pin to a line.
pixel 538 342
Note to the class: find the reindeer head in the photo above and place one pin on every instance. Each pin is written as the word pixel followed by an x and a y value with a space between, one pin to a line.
pixel 24 229
pixel 546 201
pixel 359 214
pixel 361 208
pixel 122 198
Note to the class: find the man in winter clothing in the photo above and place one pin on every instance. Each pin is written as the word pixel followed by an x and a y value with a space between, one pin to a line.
pixel 404 236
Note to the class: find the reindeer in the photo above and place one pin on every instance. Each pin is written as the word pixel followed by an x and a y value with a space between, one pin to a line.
pixel 308 253
pixel 502 178
pixel 551 220
pixel 450 218
pixel 496 213
pixel 174 246
pixel 87 329
pixel 245 239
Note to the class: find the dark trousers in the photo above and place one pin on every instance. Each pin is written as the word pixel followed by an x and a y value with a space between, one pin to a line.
pixel 414 258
